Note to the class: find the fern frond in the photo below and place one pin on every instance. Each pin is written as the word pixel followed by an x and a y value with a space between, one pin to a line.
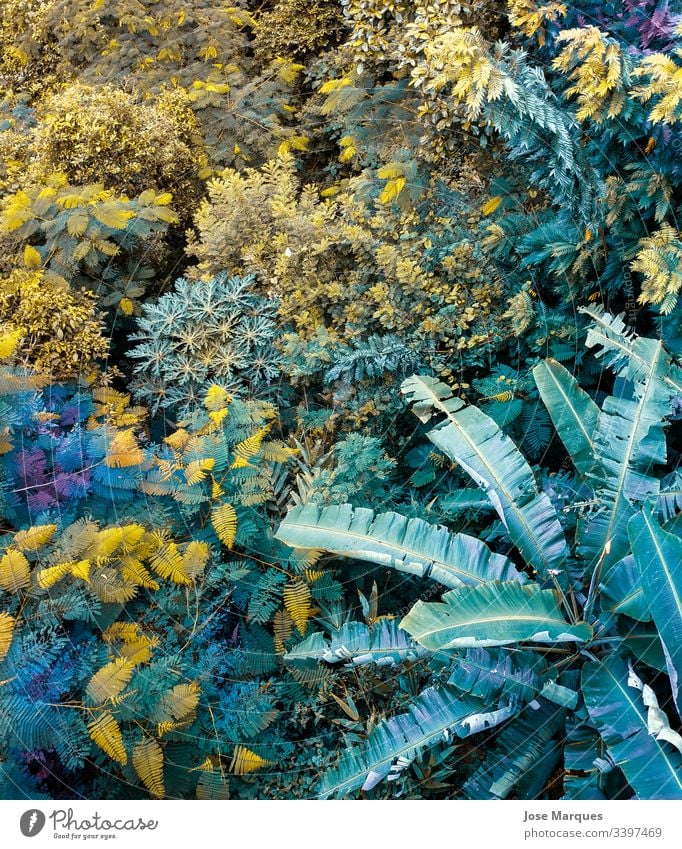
pixel 15 574
pixel 297 602
pixel 35 537
pixel 105 731
pixel 109 681
pixel 148 763
pixel 7 623
pixel 224 521
pixel 245 761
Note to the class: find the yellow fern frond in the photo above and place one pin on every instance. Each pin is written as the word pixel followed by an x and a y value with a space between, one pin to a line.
pixel 134 571
pixel 126 631
pixel 148 763
pixel 276 451
pixel 33 538
pixel 282 629
pixel 245 761
pixel 179 702
pixel 9 342
pixel 240 463
pixel 15 574
pixel 123 450
pixel 106 733
pixel 297 602
pixel 248 448
pixel 312 575
pixel 224 521
pixel 110 680
pixel 167 562
pixel 195 472
pixel 194 558
pixel 139 651
pixel 81 569
pixel 177 440
pixel 6 632
pixel 51 574
pixel 217 398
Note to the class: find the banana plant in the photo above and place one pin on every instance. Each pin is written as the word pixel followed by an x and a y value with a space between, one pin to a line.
pixel 542 639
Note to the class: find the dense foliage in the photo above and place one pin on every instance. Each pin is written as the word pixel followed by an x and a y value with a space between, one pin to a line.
pixel 340 369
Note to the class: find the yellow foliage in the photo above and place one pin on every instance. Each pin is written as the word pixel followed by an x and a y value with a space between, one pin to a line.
pixel 531 17
pixel 104 133
pixel 297 602
pixel 168 563
pixel 49 576
pixel 245 761
pixel 593 64
pixel 194 558
pixel 248 448
pixel 195 472
pixel 663 84
pixel 6 632
pixel 32 258
pixel 282 628
pixel 123 450
pixel 8 343
pixel 217 398
pixel 106 733
pixel 491 205
pixel 35 537
pixel 15 574
pixel 468 67
pixel 224 521
pixel 109 681
pixel 659 261
pixel 57 329
pixel 148 763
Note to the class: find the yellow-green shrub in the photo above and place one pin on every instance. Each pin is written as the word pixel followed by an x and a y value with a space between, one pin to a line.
pixel 60 331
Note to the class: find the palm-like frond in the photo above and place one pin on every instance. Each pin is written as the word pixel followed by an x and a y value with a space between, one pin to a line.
pixel 389 539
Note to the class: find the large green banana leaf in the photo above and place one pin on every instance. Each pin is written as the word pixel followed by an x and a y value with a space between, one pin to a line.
pixel 493 614
pixel 385 643
pixel 629 438
pixel 436 715
pixel 658 556
pixel 652 769
pixel 573 413
pixel 523 755
pixel 493 461
pixel 498 674
pixel 389 539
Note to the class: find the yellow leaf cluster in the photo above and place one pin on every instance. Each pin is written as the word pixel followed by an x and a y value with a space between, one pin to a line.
pixel 245 761
pixel 148 763
pixel 594 65
pixel 297 603
pixel 15 574
pixel 662 85
pixel 659 261
pixel 6 632
pixel 531 17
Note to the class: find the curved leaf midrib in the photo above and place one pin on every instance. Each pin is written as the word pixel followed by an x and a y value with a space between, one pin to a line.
pixel 663 562
pixel 545 619
pixel 423 743
pixel 625 465
pixel 357 552
pixel 573 411
pixel 628 351
pixel 500 483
